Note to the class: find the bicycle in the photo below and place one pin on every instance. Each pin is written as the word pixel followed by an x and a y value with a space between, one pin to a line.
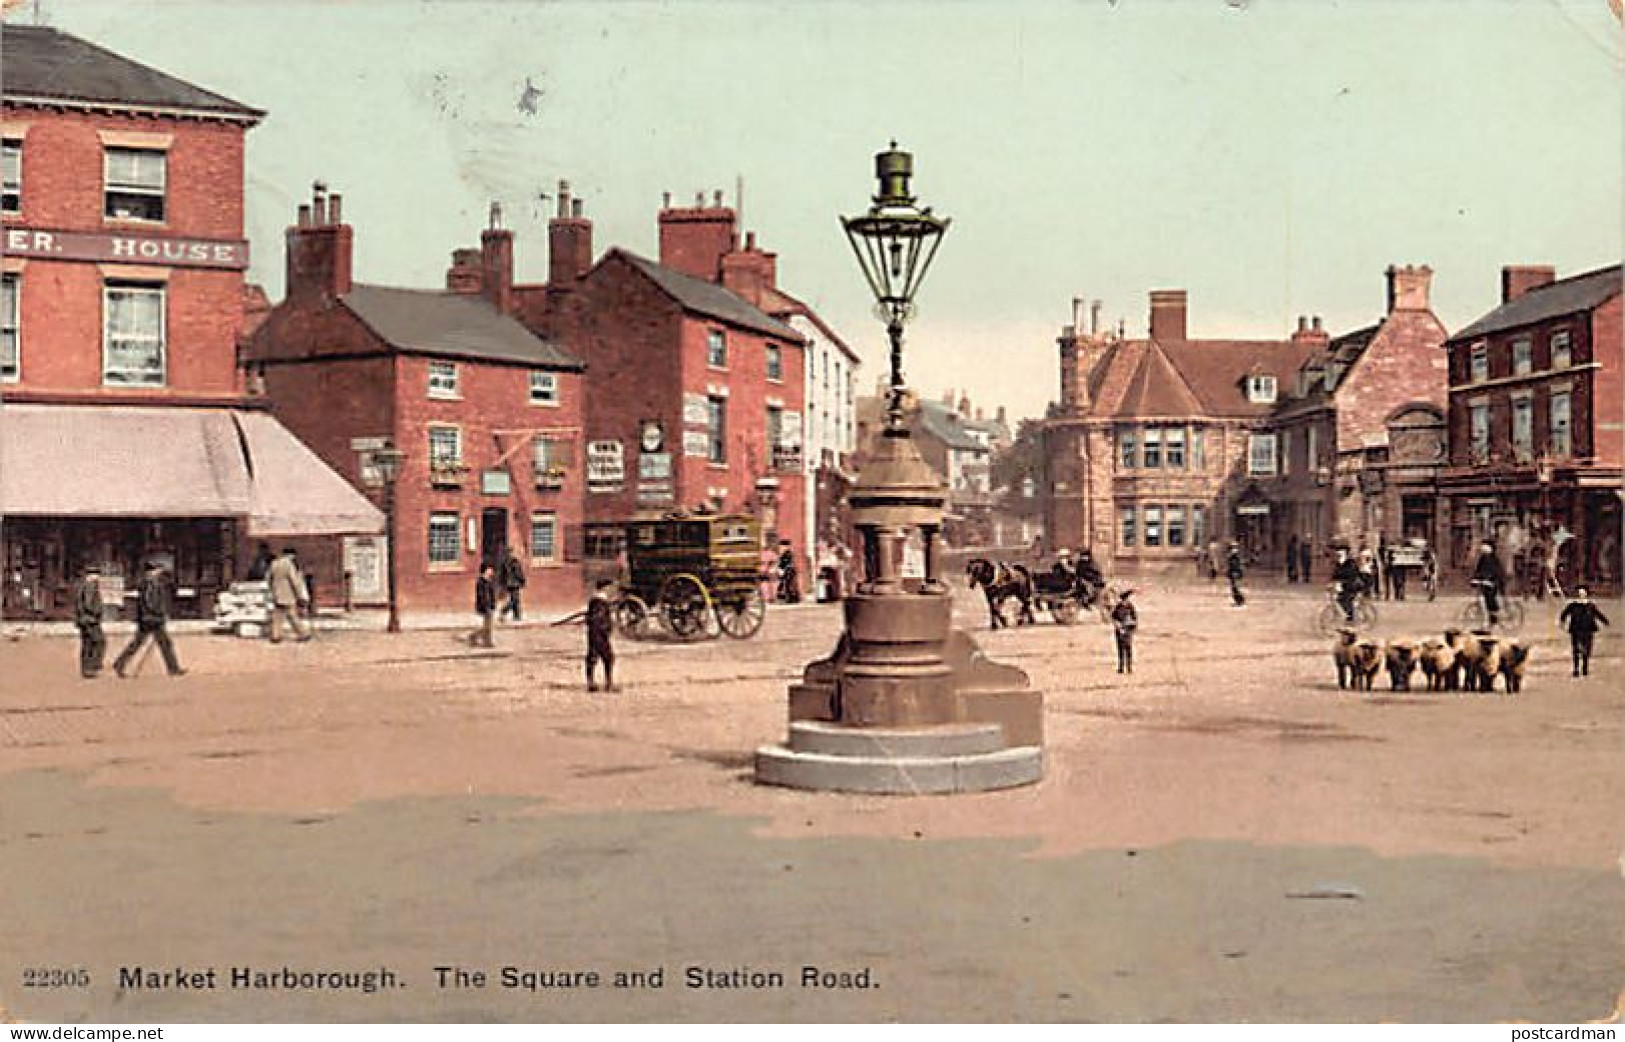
pixel 1510 614
pixel 1331 617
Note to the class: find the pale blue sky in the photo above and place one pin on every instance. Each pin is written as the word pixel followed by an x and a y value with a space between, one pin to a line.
pixel 1270 156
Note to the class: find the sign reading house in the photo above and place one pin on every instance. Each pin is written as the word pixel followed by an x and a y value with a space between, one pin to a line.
pixel 127 248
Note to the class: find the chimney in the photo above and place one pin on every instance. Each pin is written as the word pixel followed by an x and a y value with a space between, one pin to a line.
pixel 496 262
pixel 569 242
pixel 1094 318
pixel 1310 332
pixel 693 240
pixel 1168 315
pixel 466 274
pixel 1077 316
pixel 750 272
pixel 1516 280
pixel 319 249
pixel 1408 287
pixel 964 405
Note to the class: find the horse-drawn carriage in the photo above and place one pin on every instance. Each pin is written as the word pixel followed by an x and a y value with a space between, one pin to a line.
pixel 693 575
pixel 1064 593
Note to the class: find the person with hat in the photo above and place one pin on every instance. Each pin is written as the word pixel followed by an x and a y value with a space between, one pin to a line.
pixel 151 618
pixel 1581 617
pixel 1349 583
pixel 87 616
pixel 1062 568
pixel 1234 570
pixel 289 596
pixel 1490 579
pixel 1125 620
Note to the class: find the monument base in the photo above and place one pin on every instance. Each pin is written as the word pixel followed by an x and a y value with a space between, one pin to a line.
pixel 942 758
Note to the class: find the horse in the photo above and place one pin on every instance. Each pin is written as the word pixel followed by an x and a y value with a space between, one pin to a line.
pixel 999 583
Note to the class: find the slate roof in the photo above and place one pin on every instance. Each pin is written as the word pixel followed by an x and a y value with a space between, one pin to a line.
pixel 944 424
pixel 435 322
pixel 1342 351
pixel 1563 297
pixel 44 63
pixel 707 298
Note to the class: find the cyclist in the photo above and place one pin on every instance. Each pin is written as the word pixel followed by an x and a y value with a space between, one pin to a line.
pixel 1349 581
pixel 1490 579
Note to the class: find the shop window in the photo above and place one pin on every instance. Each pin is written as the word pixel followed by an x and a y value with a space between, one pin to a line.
pixel 544 389
pixel 11 164
pixel 443 380
pixel 10 332
pixel 544 541
pixel 716 428
pixel 135 181
pixel 133 335
pixel 443 538
pixel 716 350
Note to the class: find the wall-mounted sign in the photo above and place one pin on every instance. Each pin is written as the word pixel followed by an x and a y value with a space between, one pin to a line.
pixel 494 482
pixel 696 410
pixel 655 492
pixel 654 466
pixel 696 443
pixel 127 248
pixel 651 436
pixel 606 466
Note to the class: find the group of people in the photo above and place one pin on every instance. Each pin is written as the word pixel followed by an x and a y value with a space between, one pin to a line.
pixel 152 607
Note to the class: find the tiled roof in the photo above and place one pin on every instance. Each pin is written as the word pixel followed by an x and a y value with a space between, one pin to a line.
pixel 458 325
pixel 1131 376
pixel 1158 390
pixel 707 298
pixel 1343 352
pixel 44 63
pixel 1563 297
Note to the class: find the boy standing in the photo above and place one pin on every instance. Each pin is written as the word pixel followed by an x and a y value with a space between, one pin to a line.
pixel 1125 620
pixel 485 605
pixel 1580 617
pixel 600 628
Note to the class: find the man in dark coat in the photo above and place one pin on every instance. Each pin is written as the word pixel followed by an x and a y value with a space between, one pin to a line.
pixel 261 565
pixel 87 616
pixel 1125 620
pixel 151 618
pixel 789 580
pixel 600 631
pixel 1234 570
pixel 485 606
pixel 1292 558
pixel 1580 617
pixel 1490 579
pixel 1306 557
pixel 512 578
pixel 1349 581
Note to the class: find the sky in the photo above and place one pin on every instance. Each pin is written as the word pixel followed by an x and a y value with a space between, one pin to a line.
pixel 1271 157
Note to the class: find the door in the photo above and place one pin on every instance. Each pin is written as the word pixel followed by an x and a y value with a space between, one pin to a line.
pixel 493 535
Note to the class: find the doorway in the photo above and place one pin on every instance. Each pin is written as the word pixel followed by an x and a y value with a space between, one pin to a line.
pixel 493 535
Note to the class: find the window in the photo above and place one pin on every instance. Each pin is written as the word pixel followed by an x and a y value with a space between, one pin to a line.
pixel 1173 448
pixel 442 379
pixel 1559 442
pixel 544 389
pixel 1523 427
pixel 1311 450
pixel 775 362
pixel 1560 350
pixel 1286 452
pixel 1153 526
pixel 443 538
pixel 716 428
pixel 1128 449
pixel 716 350
pixel 1152 453
pixel 135 180
pixel 544 537
pixel 1478 432
pixel 775 428
pixel 133 336
pixel 1198 449
pixel 1261 388
pixel 11 161
pixel 1479 363
pixel 1260 454
pixel 547 463
pixel 445 449
pixel 1126 519
pixel 1523 356
pixel 1176 526
pixel 10 353
pixel 1198 525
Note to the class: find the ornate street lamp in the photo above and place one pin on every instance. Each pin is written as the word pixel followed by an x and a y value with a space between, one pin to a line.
pixel 895 242
pixel 387 462
pixel 906 704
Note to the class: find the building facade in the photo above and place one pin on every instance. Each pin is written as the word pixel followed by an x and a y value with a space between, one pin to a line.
pixel 128 432
pixel 487 413
pixel 1535 427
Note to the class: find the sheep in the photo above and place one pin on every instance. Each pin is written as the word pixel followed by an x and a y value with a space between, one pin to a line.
pixel 1514 658
pixel 1342 656
pixel 1469 655
pixel 1446 662
pixel 1489 663
pixel 1400 657
pixel 1364 661
pixel 1434 660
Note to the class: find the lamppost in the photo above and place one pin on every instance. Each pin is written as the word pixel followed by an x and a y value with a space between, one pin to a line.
pixel 906 704
pixel 387 461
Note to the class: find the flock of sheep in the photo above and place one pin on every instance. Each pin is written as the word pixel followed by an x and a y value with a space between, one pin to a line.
pixel 1462 661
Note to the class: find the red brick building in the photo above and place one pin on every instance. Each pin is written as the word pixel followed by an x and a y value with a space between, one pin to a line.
pixel 695 395
pixel 128 434
pixel 1535 425
pixel 1342 475
pixel 488 414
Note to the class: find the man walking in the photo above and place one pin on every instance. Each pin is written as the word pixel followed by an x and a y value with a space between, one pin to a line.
pixel 288 594
pixel 87 616
pixel 485 606
pixel 151 617
pixel 1580 617
pixel 511 575
pixel 1234 570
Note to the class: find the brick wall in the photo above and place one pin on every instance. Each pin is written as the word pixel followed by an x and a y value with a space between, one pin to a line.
pixel 1607 343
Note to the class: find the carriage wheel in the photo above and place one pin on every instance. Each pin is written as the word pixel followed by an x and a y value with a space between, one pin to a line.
pixel 684 605
pixel 1065 611
pixel 740 617
pixel 632 617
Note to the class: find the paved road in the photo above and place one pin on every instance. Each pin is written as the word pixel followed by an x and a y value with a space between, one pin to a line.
pixel 1223 837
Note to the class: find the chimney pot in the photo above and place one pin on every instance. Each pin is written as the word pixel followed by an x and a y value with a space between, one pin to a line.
pixel 1303 323
pixel 1315 323
pixel 577 208
pixel 665 200
pixel 699 200
pixel 750 240
pixel 304 215
pixel 716 198
pixel 1094 317
pixel 335 209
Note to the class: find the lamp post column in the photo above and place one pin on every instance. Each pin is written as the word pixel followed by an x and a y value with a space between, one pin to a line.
pixel 394 624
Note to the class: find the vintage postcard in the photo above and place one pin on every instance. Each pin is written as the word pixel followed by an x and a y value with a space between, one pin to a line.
pixel 811 512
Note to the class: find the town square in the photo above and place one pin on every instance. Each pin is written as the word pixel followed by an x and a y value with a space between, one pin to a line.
pixel 1088 532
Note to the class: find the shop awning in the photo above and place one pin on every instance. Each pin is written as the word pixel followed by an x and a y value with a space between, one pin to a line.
pixel 163 461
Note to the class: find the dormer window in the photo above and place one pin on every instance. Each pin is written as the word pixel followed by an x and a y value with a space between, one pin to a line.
pixel 1261 389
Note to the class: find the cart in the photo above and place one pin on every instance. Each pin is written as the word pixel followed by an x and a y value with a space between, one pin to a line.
pixel 693 575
